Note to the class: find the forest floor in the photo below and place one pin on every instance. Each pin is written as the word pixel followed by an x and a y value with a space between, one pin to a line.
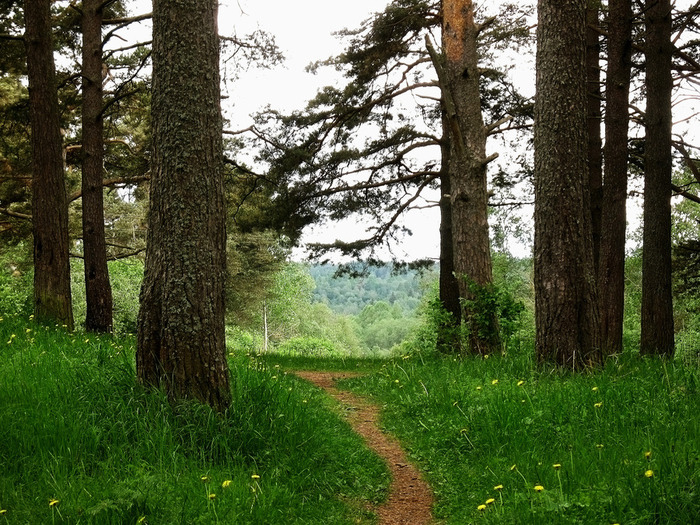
pixel 410 498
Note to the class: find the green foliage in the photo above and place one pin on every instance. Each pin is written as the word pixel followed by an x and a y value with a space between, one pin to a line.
pixel 79 429
pixel 16 281
pixel 492 429
pixel 308 347
pixel 489 303
pixel 125 278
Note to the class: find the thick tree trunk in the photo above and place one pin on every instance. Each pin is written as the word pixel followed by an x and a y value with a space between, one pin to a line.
pixel 98 292
pixel 594 114
pixel 181 345
pixel 657 302
pixel 567 319
pixel 611 268
pixel 467 165
pixel 447 341
pixel 52 294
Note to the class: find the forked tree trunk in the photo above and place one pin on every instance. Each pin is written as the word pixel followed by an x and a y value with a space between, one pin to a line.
pixel 611 267
pixel 98 292
pixel 181 344
pixel 567 319
pixel 467 165
pixel 657 302
pixel 52 294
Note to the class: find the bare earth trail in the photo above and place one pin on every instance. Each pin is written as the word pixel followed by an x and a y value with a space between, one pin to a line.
pixel 410 498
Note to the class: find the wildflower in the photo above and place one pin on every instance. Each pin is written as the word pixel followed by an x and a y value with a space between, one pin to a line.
pixel 649 473
pixel 489 501
pixel 595 389
pixel 494 382
pixel 486 356
pixel 647 454
pixel 478 387
pixel 2 511
pixel 482 508
pixel 28 330
pixel 498 487
pixel 255 476
pixel 521 382
pixel 598 404
pixel 141 520
pixel 225 483
pixel 539 488
pixel 513 467
pixel 204 479
pixel 557 466
pixel 212 496
pixel 396 380
pixel 599 445
pixel 53 502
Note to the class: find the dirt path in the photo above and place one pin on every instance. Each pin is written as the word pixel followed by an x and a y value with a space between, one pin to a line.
pixel 410 498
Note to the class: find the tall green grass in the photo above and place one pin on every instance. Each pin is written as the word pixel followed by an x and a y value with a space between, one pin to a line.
pixel 82 442
pixel 504 442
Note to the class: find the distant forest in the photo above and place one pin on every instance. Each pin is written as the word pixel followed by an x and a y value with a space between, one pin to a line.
pixel 349 295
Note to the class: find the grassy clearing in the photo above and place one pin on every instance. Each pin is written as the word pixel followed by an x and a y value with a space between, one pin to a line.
pixel 504 443
pixel 81 442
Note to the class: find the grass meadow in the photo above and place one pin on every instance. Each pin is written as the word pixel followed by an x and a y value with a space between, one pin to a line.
pixel 81 442
pixel 499 439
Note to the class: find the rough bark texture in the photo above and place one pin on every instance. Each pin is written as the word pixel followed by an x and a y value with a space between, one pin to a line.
pixel 449 290
pixel 98 292
pixel 594 114
pixel 611 267
pixel 657 302
pixel 467 165
pixel 52 295
pixel 181 345
pixel 567 319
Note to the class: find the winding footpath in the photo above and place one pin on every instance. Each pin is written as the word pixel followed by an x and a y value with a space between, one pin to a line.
pixel 410 498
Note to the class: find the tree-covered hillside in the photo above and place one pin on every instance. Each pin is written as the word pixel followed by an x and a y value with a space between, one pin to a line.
pixel 349 295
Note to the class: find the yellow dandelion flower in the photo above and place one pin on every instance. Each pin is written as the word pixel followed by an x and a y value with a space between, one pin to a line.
pixel 494 382
pixel 649 473
pixel 396 380
pixel 539 488
pixel 599 445
pixel 27 330
pixel 489 501
pixel 255 476
pixel 226 483
pixel 212 496
pixel 598 404
pixel 478 387
pixel 486 356
pixel 498 487
pixel 557 466
pixel 481 507
pixel 521 382
pixel 53 502
pixel 2 511
pixel 595 389
pixel 513 467
pixel 204 479
pixel 647 454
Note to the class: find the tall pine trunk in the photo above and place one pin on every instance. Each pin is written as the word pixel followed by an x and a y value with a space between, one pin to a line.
pixel 52 294
pixel 611 268
pixel 467 166
pixel 657 302
pixel 181 344
pixel 567 319
pixel 98 292
pixel 593 103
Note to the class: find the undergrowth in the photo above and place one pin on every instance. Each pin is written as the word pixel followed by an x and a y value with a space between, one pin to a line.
pixel 82 442
pixel 502 441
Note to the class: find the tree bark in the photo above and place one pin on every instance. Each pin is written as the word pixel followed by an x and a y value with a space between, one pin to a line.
pixel 467 165
pixel 98 292
pixel 594 114
pixel 567 318
pixel 181 344
pixel 657 303
pixel 447 341
pixel 52 294
pixel 611 268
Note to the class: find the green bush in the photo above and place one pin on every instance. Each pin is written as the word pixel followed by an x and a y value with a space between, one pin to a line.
pixel 308 346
